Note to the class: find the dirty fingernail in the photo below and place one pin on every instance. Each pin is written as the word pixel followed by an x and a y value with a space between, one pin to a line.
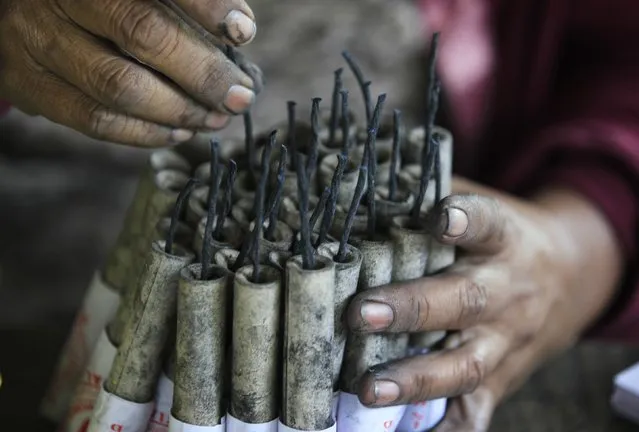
pixel 181 135
pixel 386 392
pixel 239 27
pixel 377 316
pixel 238 99
pixel 216 120
pixel 457 222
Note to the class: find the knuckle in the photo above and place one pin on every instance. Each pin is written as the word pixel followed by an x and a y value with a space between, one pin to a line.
pixel 100 122
pixel 417 311
pixel 147 30
pixel 472 374
pixel 120 83
pixel 422 390
pixel 473 300
pixel 211 79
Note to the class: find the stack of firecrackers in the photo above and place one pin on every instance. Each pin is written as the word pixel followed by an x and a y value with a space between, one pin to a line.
pixel 220 306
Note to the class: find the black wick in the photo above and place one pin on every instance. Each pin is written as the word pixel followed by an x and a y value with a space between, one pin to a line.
pixel 352 64
pixel 207 244
pixel 337 87
pixel 274 207
pixel 329 213
pixel 228 199
pixel 319 207
pixel 345 123
pixel 311 163
pixel 372 164
pixel 290 137
pixel 350 217
pixel 183 196
pixel 397 136
pixel 308 260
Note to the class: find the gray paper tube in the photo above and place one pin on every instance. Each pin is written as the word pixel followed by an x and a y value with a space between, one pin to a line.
pixel 256 345
pixel 232 236
pixel 308 344
pixel 162 198
pixel 410 258
pixel 117 266
pixel 139 359
pixel 346 277
pixel 366 350
pixel 200 346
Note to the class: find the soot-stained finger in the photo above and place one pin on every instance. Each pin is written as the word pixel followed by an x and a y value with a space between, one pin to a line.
pixel 446 373
pixel 444 302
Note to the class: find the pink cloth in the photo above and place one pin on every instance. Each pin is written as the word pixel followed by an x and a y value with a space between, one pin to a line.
pixel 547 91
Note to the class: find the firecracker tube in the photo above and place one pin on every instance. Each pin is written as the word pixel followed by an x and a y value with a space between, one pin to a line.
pixel 176 425
pixel 98 307
pixel 112 413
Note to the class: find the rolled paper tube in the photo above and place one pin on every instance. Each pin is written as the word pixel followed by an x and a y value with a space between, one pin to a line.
pixel 360 221
pixel 281 427
pixel 347 187
pixel 196 207
pixel 200 346
pixel 314 237
pixel 256 345
pixel 386 210
pixel 326 147
pixel 242 212
pixel 183 234
pixel 98 308
pixel 290 213
pixel 282 240
pixel 138 362
pixel 176 425
pixel 409 178
pixel 86 392
pixel 346 277
pixel 414 145
pixel 168 185
pixel 384 151
pixel 366 350
pixel 116 269
pixel 411 245
pixel 308 344
pixel 236 425
pixel 231 237
pixel 277 259
pixel 289 187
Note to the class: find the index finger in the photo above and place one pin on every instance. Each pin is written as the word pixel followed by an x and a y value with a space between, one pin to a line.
pixel 444 302
pixel 230 20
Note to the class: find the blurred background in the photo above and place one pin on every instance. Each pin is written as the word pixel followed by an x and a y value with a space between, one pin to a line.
pixel 63 197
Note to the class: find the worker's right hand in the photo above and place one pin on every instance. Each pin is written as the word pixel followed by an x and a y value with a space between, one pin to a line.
pixel 65 60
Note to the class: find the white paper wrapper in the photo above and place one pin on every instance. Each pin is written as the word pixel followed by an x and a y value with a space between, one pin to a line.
pixel 281 427
pixel 114 414
pixel 235 425
pixel 335 404
pixel 163 401
pixel 352 416
pixel 176 425
pixel 98 307
pixel 88 389
pixel 422 416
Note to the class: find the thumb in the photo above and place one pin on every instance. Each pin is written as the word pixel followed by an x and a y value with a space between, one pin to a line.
pixel 473 222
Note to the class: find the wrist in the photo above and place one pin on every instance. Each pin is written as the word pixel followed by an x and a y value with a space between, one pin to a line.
pixel 589 256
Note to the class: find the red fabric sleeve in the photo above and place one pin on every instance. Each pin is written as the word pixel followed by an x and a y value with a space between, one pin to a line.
pixel 591 143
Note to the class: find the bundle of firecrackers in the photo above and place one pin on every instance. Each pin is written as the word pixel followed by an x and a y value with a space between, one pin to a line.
pixel 220 307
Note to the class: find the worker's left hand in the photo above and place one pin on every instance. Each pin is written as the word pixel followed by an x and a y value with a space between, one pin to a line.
pixel 529 278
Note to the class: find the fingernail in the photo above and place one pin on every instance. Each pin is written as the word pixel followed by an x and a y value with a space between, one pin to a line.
pixel 378 316
pixel 181 135
pixel 238 99
pixel 386 392
pixel 216 120
pixel 457 222
pixel 239 28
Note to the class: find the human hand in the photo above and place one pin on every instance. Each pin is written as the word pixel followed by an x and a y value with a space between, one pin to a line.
pixel 530 278
pixel 64 60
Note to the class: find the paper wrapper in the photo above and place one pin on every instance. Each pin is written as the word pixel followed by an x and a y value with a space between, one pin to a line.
pixel 113 413
pixel 163 401
pixel 176 425
pixel 98 307
pixel 422 416
pixel 281 427
pixel 352 416
pixel 88 389
pixel 235 425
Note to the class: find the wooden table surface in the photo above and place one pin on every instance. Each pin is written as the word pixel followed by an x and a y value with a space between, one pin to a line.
pixel 571 394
